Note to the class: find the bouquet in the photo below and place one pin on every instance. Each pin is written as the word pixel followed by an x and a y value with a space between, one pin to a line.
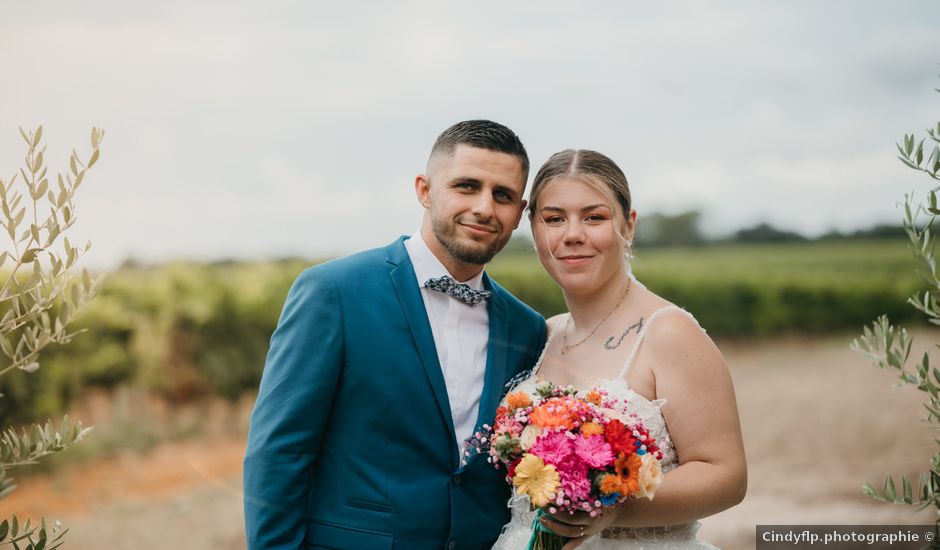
pixel 570 453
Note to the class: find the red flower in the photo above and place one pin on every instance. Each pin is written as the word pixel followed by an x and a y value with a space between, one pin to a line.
pixel 620 437
pixel 512 467
pixel 650 443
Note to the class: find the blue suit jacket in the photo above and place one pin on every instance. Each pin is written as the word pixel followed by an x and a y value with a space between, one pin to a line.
pixel 352 442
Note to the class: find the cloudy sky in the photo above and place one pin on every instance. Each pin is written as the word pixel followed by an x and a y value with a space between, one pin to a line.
pixel 250 129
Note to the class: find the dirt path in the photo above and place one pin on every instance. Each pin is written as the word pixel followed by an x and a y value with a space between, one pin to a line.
pixel 818 421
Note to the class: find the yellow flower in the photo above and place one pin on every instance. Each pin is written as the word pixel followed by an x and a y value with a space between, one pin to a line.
pixel 649 477
pixel 536 479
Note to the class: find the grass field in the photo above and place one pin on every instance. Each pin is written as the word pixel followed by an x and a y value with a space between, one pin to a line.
pixel 185 331
pixel 743 290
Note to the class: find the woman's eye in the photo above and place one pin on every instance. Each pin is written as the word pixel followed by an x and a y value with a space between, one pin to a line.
pixel 553 220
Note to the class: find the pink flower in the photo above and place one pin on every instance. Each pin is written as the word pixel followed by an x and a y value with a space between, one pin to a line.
pixel 574 481
pixel 594 451
pixel 553 447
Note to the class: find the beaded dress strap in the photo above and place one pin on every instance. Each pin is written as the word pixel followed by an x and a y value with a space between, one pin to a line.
pixel 642 334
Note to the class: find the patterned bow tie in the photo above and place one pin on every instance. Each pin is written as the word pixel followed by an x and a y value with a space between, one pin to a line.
pixel 457 290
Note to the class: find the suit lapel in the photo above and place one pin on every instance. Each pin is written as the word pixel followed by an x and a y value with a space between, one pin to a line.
pixel 409 295
pixel 496 352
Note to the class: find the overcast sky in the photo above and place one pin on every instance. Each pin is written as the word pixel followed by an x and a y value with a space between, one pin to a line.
pixel 266 129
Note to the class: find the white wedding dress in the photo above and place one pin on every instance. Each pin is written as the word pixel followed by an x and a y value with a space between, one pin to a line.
pixel 518 531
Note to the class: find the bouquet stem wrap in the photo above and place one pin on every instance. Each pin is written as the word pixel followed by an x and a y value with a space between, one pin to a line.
pixel 544 538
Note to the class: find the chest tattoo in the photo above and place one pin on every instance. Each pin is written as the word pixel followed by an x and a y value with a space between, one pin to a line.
pixel 634 327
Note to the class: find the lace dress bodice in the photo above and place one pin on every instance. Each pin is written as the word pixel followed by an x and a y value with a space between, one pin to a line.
pixel 517 532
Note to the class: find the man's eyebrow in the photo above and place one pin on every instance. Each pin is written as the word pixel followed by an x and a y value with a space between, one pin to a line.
pixel 459 180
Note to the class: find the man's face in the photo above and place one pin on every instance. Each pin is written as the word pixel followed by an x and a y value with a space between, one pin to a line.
pixel 474 201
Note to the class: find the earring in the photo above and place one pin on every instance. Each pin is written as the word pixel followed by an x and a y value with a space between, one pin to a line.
pixel 629 251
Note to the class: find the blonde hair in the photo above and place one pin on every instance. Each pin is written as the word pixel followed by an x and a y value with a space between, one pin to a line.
pixel 590 167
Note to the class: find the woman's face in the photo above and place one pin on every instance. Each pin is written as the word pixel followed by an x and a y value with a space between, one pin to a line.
pixel 576 234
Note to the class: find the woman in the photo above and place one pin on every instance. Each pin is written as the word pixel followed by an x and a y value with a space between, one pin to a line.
pixel 641 348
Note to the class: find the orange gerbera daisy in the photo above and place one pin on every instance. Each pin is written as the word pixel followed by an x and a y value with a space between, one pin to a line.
pixel 628 470
pixel 518 400
pixel 554 413
pixel 610 484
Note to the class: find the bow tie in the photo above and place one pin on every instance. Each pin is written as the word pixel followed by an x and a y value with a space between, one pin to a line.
pixel 457 290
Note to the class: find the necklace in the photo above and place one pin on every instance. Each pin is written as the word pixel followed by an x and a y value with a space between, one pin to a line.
pixel 565 348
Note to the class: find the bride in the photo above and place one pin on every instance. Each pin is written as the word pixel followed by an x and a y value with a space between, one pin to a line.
pixel 641 348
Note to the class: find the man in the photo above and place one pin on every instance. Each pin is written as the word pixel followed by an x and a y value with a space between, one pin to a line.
pixel 382 364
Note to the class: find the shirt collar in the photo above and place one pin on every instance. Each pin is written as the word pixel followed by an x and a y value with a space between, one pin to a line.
pixel 427 266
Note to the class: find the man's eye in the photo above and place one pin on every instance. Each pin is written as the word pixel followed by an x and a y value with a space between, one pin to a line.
pixel 502 196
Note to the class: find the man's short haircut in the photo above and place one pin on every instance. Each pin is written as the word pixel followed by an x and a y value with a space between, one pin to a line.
pixel 484 134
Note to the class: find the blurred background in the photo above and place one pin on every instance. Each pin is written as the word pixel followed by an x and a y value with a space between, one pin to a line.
pixel 247 141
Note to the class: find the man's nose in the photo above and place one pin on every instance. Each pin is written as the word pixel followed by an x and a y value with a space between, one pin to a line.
pixel 483 206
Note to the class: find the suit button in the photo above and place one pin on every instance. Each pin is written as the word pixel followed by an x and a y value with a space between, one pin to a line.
pixel 451 545
pixel 457 480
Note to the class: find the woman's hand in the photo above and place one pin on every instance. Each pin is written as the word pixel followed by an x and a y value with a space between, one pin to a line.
pixel 578 526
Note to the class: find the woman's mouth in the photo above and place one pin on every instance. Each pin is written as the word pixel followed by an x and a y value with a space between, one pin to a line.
pixel 574 259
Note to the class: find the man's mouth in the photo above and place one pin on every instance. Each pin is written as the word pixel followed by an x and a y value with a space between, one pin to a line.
pixel 479 229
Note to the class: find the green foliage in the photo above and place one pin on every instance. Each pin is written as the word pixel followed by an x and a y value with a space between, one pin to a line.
pixel 670 230
pixel 185 331
pixel 39 299
pixel 31 537
pixel 754 290
pixel 29 445
pixel 889 346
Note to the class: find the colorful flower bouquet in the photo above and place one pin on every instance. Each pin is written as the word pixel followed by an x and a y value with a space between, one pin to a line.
pixel 570 453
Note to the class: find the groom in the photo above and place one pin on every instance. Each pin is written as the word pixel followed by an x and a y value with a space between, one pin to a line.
pixel 385 361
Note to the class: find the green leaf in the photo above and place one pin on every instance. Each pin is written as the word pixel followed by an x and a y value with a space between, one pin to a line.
pixel 4 530
pixel 30 255
pixel 889 491
pixel 37 164
pixel 37 136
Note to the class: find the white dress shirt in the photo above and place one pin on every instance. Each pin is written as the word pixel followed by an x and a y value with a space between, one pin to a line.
pixel 461 333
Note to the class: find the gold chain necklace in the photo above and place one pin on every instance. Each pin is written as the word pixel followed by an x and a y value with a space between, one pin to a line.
pixel 565 348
